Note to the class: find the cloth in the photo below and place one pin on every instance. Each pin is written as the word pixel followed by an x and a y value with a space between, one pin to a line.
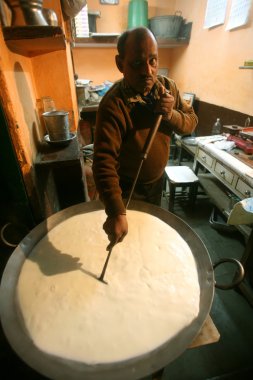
pixel 124 119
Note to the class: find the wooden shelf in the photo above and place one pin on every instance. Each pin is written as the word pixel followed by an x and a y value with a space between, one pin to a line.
pixel 108 41
pixel 31 41
pixel 246 67
pixel 172 42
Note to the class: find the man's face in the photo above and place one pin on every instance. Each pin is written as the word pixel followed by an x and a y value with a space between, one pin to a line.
pixel 140 63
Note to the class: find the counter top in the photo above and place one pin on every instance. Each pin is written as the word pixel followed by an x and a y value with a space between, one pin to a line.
pixel 54 154
pixel 231 161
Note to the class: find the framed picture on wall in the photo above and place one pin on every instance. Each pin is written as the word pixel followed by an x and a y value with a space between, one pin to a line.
pixel 109 2
pixel 189 97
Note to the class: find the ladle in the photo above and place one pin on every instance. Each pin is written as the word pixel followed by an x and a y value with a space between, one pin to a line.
pixel 144 155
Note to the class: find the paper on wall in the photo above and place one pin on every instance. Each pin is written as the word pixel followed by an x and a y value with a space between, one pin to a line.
pixel 239 13
pixel 215 13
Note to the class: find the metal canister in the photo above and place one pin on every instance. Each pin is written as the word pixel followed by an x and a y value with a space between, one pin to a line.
pixel 26 12
pixel 57 125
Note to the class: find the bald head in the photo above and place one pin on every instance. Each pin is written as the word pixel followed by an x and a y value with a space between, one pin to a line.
pixel 137 59
pixel 131 36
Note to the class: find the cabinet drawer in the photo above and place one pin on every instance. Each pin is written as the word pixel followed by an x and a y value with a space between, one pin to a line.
pixel 244 189
pixel 205 158
pixel 224 173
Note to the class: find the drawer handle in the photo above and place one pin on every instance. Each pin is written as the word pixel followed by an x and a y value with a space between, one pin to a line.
pixel 203 158
pixel 247 193
pixel 222 172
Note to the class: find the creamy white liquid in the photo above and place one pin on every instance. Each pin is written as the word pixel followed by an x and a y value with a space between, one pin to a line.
pixel 152 292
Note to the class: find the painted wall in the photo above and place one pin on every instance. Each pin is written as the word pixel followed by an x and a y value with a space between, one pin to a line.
pixel 29 79
pixel 208 66
pixel 114 18
pixel 17 90
pixel 98 64
pixel 24 80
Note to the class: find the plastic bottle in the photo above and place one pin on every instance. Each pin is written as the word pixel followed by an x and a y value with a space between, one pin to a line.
pixel 216 130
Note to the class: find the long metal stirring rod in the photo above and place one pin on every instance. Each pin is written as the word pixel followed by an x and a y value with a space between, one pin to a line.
pixel 144 155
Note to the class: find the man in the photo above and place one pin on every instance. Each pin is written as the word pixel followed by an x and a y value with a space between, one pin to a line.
pixel 125 115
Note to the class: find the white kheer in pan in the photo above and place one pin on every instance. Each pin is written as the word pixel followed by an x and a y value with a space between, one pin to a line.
pixel 152 291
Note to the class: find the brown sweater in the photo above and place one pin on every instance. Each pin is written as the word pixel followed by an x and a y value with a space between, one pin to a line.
pixel 123 122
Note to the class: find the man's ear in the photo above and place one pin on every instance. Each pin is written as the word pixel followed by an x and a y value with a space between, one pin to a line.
pixel 119 63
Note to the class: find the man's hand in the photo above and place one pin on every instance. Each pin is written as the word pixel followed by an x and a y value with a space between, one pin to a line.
pixel 165 103
pixel 116 228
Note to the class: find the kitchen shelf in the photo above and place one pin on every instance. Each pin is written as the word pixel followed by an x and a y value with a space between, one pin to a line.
pixel 246 67
pixel 31 41
pixel 172 42
pixel 108 41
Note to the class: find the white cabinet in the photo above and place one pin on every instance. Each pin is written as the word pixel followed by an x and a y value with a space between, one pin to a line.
pixel 245 190
pixel 204 158
pixel 223 182
pixel 223 173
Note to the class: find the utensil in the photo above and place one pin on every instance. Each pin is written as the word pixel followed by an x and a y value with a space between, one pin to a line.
pixel 138 367
pixel 166 26
pixel 26 12
pixel 50 16
pixel 57 125
pixel 147 146
pixel 65 142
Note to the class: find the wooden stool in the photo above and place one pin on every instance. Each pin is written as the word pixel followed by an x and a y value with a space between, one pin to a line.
pixel 181 176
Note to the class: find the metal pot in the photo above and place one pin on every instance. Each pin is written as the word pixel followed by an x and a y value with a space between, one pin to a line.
pixel 166 26
pixel 26 12
pixel 136 368
pixel 50 16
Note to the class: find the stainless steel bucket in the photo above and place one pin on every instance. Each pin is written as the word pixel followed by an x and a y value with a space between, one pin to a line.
pixel 57 125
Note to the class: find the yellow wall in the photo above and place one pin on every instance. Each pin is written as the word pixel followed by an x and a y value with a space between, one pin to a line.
pixel 208 66
pixel 114 18
pixel 28 79
pixel 23 80
pixel 98 64
pixel 18 85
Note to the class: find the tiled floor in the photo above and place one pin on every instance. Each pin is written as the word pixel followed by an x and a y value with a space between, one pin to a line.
pixel 232 357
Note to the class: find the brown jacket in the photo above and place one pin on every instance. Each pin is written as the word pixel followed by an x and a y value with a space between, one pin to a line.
pixel 122 126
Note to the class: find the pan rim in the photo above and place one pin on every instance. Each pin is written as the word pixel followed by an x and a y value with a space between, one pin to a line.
pixel 59 368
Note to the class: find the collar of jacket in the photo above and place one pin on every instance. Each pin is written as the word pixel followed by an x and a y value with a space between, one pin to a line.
pixel 130 96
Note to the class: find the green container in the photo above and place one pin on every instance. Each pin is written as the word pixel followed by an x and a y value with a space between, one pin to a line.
pixel 137 13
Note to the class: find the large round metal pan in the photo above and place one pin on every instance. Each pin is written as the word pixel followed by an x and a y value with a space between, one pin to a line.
pixel 58 368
